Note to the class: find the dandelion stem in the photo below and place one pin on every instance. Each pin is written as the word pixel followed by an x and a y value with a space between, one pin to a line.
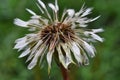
pixel 64 73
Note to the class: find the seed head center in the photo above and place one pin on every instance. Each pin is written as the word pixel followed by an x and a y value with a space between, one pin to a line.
pixel 55 33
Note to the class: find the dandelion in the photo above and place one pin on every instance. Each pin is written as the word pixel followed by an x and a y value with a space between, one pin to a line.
pixel 66 36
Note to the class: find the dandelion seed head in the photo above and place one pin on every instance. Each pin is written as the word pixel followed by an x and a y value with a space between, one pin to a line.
pixel 66 36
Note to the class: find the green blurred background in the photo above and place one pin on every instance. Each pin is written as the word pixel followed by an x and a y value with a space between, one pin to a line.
pixel 106 64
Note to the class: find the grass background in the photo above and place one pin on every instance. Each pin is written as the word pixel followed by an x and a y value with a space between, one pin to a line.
pixel 106 64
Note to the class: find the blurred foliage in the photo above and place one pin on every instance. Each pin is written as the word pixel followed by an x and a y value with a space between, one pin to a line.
pixel 105 66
